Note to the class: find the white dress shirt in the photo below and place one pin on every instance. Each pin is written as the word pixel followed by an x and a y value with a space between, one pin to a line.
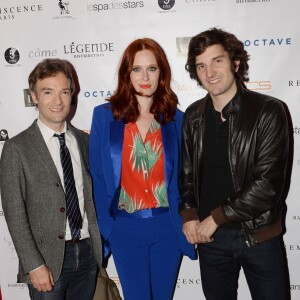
pixel 53 145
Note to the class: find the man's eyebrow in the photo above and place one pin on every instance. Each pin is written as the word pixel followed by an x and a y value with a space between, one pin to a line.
pixel 219 56
pixel 214 58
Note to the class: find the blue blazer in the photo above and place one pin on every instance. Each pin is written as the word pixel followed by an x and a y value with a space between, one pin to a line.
pixel 106 142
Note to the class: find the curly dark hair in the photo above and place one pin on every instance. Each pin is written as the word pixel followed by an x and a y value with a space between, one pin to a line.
pixel 214 36
pixel 124 101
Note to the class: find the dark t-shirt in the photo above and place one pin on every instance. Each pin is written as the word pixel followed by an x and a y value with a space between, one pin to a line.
pixel 217 182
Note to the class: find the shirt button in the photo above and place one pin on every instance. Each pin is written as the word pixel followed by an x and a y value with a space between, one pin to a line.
pixel 146 191
pixel 61 236
pixel 62 209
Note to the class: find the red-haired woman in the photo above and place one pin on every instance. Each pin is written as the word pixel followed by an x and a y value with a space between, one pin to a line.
pixel 134 160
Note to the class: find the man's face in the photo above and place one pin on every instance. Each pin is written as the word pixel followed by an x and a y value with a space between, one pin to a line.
pixel 215 73
pixel 53 96
pixel 3 135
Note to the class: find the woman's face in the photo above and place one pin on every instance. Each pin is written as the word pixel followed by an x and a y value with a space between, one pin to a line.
pixel 145 73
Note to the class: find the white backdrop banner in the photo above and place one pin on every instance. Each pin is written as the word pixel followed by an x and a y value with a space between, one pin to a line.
pixel 92 34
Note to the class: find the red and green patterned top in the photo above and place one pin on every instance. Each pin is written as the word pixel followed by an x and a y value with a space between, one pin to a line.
pixel 142 176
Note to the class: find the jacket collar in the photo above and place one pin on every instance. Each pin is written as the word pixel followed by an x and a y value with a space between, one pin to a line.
pixel 234 105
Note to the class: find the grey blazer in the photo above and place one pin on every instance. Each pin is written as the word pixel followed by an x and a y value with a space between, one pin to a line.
pixel 32 197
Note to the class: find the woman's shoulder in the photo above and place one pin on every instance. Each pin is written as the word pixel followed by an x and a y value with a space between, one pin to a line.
pixel 103 109
pixel 178 115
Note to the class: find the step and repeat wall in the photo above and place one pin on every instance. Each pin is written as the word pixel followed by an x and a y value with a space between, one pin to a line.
pixel 92 34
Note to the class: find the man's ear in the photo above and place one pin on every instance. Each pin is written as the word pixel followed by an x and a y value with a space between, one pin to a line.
pixel 33 97
pixel 236 65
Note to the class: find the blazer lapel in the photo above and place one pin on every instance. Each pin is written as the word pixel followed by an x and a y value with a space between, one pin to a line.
pixel 40 151
pixel 116 145
pixel 169 138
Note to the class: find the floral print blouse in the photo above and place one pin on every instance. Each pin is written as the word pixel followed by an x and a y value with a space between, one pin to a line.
pixel 142 176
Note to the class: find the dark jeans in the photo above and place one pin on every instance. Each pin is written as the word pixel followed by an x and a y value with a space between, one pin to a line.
pixel 221 261
pixel 77 280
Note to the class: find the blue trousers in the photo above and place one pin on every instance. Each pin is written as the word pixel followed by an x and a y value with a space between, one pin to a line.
pixel 147 256
pixel 221 261
pixel 77 280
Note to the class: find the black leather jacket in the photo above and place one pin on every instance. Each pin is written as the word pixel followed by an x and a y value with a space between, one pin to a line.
pixel 258 153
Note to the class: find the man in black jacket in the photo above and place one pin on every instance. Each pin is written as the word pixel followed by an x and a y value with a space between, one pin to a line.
pixel 235 151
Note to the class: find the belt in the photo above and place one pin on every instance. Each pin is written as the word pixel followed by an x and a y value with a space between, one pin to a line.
pixel 76 241
pixel 144 213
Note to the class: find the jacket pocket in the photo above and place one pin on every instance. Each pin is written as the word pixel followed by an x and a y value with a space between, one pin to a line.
pixel 39 236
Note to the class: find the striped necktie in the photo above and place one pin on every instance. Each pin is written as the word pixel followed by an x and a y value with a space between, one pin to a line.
pixel 73 210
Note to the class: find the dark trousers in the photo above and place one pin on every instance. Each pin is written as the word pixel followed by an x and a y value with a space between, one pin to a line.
pixel 147 256
pixel 77 280
pixel 221 261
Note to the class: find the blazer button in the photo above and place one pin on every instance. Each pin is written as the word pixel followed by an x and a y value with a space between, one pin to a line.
pixel 57 184
pixel 62 209
pixel 61 236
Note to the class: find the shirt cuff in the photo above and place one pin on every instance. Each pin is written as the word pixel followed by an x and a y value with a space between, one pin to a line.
pixel 37 268
pixel 219 216
pixel 190 214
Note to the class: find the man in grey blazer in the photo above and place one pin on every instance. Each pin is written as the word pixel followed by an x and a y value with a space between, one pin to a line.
pixel 55 235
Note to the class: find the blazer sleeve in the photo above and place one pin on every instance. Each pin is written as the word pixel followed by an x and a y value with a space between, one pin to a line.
pixel 99 168
pixel 13 196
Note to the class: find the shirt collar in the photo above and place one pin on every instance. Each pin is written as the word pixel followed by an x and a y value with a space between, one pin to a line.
pixel 47 132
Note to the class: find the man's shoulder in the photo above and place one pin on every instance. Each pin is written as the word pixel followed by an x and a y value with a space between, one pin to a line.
pixel 263 107
pixel 262 104
pixel 259 97
pixel 23 136
pixel 196 108
pixel 78 133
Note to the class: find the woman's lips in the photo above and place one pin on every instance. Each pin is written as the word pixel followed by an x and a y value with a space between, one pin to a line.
pixel 145 86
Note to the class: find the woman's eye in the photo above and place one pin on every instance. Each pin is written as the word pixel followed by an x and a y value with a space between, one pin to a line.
pixel 136 69
pixel 152 69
